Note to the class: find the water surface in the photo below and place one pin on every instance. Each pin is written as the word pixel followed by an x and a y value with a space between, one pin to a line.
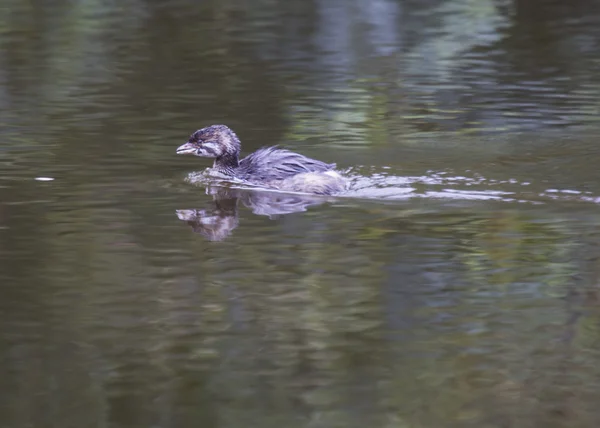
pixel 454 285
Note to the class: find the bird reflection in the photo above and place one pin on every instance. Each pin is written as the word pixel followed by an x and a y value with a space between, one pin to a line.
pixel 217 221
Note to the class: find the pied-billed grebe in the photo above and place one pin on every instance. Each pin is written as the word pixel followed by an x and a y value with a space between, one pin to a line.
pixel 270 167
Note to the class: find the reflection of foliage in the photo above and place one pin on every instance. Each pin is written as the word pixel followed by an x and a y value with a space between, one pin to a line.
pixel 400 319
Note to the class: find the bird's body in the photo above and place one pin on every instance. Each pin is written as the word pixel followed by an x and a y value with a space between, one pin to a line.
pixel 271 167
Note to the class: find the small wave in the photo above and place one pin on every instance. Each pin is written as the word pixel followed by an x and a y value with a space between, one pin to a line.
pixel 448 185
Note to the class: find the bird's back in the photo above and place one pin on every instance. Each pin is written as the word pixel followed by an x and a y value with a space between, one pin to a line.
pixel 273 164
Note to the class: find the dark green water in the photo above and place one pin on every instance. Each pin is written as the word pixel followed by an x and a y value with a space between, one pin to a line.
pixel 456 284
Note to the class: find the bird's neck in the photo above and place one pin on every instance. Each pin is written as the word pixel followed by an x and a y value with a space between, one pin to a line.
pixel 227 163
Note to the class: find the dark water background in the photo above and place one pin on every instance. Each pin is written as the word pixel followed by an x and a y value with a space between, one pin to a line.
pixel 455 285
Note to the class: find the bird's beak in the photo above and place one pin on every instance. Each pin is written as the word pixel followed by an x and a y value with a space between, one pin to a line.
pixel 186 149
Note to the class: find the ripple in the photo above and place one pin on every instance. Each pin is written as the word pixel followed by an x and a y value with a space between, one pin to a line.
pixel 444 185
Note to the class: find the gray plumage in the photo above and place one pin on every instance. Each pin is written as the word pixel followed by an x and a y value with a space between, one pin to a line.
pixel 274 163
